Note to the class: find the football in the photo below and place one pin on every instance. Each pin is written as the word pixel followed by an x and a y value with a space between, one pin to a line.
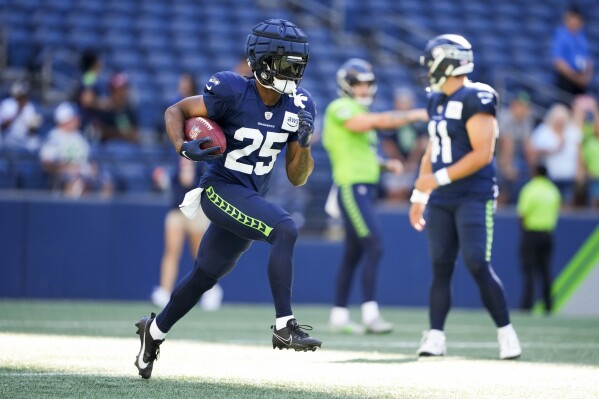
pixel 197 128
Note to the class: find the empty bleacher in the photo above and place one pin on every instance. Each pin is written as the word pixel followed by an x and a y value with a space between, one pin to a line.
pixel 155 41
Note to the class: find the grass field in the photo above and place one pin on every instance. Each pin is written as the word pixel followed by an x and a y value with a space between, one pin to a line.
pixel 87 349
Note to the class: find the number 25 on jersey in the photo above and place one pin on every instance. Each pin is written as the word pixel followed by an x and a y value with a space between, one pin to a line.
pixel 258 141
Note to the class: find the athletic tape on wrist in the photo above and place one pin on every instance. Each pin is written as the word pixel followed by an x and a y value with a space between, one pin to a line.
pixel 442 177
pixel 419 197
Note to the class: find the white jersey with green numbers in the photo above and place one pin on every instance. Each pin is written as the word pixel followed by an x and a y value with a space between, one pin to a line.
pixel 353 154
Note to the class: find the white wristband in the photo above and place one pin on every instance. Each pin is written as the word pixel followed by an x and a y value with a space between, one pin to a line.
pixel 442 177
pixel 419 197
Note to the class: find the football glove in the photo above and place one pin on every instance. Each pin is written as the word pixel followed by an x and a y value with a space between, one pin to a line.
pixel 305 129
pixel 191 150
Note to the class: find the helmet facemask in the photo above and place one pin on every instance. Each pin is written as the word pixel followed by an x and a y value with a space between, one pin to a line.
pixel 447 55
pixel 356 71
pixel 281 73
pixel 278 52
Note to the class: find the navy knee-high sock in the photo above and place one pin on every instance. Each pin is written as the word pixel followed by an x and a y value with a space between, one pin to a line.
pixel 280 265
pixel 349 263
pixel 491 292
pixel 373 251
pixel 185 296
pixel 440 295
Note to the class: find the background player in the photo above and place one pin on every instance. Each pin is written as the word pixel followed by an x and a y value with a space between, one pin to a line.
pixel 259 116
pixel 458 172
pixel 350 141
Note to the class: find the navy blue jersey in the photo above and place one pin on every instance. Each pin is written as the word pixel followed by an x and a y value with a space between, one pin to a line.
pixel 450 142
pixel 255 133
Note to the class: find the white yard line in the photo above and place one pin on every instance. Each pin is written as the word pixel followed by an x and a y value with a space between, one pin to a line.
pixel 373 374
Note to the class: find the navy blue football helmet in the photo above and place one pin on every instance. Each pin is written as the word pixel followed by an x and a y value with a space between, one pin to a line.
pixel 447 55
pixel 353 71
pixel 277 52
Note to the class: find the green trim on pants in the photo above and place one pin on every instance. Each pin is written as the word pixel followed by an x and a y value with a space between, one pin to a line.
pixel 236 213
pixel 353 211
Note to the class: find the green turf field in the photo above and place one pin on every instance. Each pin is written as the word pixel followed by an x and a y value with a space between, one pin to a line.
pixel 87 349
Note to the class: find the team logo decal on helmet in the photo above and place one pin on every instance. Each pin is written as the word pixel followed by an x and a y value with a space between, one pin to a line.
pixel 277 52
pixel 356 71
pixel 447 55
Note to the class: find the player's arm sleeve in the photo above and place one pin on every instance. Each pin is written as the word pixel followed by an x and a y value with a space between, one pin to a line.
pixel 218 96
pixel 481 101
pixel 343 111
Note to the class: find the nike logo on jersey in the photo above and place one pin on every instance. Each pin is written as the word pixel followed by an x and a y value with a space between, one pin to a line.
pixel 184 153
pixel 285 341
pixel 485 98
pixel 213 81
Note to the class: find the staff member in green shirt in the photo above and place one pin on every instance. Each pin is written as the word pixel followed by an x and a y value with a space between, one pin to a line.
pixel 350 140
pixel 538 208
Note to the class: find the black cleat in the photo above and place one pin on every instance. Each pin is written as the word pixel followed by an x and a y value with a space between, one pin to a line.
pixel 292 337
pixel 150 348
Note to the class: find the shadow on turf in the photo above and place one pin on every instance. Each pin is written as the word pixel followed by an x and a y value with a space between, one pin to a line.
pixel 37 383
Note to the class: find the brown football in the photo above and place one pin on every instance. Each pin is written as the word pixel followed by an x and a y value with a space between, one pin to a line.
pixel 199 127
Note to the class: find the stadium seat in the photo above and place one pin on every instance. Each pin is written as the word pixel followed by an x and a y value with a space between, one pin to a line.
pixel 128 59
pixel 131 176
pixel 7 177
pixel 82 39
pixel 28 170
pixel 20 49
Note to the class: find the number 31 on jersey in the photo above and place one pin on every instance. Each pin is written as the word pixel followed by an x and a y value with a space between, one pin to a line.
pixel 441 143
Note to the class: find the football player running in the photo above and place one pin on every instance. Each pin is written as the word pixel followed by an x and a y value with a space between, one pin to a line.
pixel 350 140
pixel 457 186
pixel 260 116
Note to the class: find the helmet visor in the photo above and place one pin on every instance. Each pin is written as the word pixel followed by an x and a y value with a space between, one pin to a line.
pixel 289 67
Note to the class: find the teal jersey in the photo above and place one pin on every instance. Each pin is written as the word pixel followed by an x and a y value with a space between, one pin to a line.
pixel 353 154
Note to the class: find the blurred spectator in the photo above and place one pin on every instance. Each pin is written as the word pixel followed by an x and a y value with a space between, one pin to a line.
pixel 293 201
pixel 406 144
pixel 119 120
pixel 242 67
pixel 571 57
pixel 556 142
pixel 19 120
pixel 65 156
pixel 586 117
pixel 538 209
pixel 178 229
pixel 514 151
pixel 186 87
pixel 89 95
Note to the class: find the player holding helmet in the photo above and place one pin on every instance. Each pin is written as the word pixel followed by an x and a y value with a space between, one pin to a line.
pixel 457 185
pixel 350 140
pixel 260 116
